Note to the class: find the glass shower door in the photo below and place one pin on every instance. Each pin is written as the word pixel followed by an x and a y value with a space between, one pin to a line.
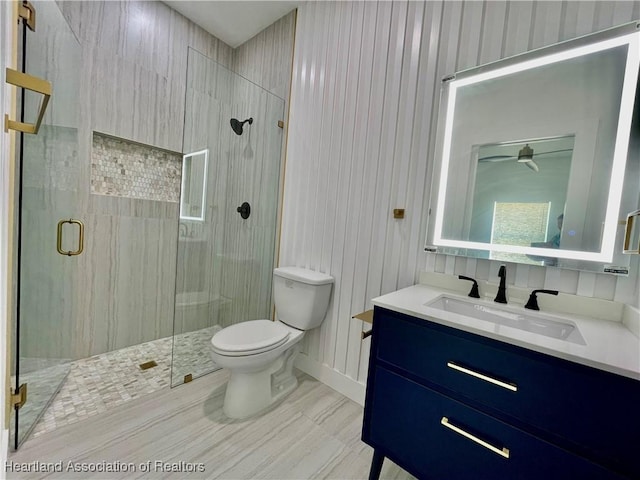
pixel 50 233
pixel 224 260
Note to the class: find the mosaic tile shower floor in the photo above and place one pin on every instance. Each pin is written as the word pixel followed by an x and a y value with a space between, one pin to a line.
pixel 102 382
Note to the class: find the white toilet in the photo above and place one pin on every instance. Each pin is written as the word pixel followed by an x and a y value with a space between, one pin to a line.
pixel 260 353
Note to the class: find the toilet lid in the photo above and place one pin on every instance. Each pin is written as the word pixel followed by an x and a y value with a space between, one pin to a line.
pixel 250 337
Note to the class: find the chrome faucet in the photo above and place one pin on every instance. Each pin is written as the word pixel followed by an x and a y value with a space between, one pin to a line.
pixel 501 297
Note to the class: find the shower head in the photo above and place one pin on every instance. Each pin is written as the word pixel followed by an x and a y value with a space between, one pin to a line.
pixel 236 125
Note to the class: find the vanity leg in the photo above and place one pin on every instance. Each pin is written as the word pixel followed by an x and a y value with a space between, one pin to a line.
pixel 376 465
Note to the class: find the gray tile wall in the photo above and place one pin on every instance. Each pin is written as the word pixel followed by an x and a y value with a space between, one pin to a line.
pixel 236 255
pixel 267 59
pixel 241 169
pixel 256 58
pixel 130 83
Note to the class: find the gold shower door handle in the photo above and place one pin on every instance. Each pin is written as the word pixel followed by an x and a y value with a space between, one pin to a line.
pixel 34 84
pixel 80 237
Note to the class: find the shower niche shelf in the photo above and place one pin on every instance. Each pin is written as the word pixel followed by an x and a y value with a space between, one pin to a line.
pixel 124 168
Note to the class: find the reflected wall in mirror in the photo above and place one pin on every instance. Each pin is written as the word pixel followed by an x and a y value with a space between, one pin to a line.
pixel 632 234
pixel 519 196
pixel 532 152
pixel 193 193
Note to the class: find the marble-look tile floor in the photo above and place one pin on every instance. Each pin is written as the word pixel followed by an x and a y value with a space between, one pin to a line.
pixel 182 433
pixel 106 381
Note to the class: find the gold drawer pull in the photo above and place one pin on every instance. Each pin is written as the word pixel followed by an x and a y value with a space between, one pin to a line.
pixel 508 386
pixel 504 452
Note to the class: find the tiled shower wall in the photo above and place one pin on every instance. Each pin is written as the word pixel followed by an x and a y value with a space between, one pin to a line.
pixel 130 85
pixel 365 91
pixel 242 168
pixel 266 58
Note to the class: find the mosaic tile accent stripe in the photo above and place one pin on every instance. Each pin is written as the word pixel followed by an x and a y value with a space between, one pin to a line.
pixel 126 169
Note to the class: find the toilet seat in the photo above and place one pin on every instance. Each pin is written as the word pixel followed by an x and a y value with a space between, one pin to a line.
pixel 249 338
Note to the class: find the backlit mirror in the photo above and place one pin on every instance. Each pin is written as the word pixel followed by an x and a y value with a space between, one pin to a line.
pixel 194 182
pixel 532 153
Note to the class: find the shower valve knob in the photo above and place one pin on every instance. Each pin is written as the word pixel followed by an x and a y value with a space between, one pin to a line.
pixel 244 210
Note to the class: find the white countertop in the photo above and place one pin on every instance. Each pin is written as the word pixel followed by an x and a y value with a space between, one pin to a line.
pixel 610 345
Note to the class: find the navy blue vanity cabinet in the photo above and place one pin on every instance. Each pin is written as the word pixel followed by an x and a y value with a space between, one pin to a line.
pixel 447 404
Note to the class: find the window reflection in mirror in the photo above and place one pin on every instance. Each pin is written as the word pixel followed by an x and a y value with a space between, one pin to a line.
pixel 508 228
pixel 571 105
pixel 194 186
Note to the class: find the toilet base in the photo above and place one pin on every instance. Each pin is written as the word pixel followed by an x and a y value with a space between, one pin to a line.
pixel 249 393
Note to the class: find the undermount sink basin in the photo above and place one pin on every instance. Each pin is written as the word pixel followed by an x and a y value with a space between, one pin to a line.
pixel 514 317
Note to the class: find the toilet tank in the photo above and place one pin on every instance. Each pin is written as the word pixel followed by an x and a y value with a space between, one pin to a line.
pixel 301 296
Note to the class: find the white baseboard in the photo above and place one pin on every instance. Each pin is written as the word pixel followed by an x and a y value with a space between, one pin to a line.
pixel 348 387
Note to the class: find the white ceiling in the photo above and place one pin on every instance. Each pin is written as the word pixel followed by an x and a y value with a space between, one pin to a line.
pixel 233 22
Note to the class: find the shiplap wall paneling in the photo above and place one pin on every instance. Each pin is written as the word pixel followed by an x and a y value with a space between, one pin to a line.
pixel 298 176
pixel 373 208
pixel 350 17
pixel 425 98
pixel 518 28
pixel 355 152
pixel 357 255
pixel 328 148
pixel 372 199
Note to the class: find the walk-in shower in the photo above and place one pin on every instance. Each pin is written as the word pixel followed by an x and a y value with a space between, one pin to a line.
pixel 90 324
pixel 225 260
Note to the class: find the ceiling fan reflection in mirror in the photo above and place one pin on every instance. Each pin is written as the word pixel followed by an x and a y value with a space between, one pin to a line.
pixel 525 155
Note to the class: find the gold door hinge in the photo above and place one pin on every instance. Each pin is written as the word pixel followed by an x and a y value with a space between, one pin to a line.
pixel 18 397
pixel 280 123
pixel 188 377
pixel 27 12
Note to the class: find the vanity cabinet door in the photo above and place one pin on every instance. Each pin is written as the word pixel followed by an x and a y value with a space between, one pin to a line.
pixel 435 437
pixel 586 410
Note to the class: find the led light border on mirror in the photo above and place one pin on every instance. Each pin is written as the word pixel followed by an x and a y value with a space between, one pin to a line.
pixel 185 215
pixel 632 40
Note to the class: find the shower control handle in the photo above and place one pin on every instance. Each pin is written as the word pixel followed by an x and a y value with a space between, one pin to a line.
pixel 244 210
